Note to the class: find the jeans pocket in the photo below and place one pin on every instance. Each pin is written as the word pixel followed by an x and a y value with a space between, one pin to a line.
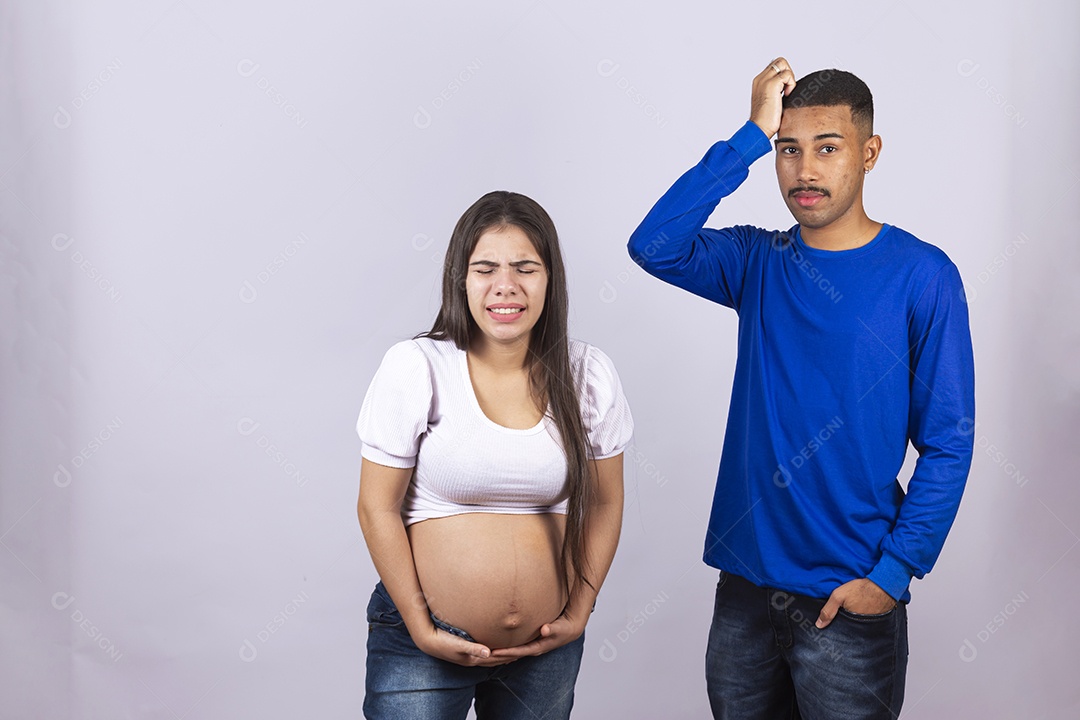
pixel 381 611
pixel 385 620
pixel 860 617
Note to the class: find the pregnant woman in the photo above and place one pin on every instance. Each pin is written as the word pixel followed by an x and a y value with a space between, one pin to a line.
pixel 491 484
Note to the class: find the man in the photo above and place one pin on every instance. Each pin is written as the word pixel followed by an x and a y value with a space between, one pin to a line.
pixel 853 341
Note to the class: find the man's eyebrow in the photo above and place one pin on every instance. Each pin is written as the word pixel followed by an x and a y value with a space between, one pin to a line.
pixel 823 136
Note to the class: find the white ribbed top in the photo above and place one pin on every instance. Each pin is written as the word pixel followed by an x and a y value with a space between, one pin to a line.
pixel 420 411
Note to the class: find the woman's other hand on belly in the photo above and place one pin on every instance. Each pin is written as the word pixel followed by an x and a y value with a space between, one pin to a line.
pixel 446 646
pixel 560 631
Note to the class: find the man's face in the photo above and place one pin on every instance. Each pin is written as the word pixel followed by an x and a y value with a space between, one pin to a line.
pixel 820 162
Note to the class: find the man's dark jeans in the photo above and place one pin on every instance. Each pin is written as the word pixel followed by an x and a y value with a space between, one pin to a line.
pixel 767 659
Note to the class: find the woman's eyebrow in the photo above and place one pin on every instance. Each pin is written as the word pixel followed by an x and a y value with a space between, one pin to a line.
pixel 516 263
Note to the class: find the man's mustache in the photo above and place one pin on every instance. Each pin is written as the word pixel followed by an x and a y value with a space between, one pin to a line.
pixel 808 188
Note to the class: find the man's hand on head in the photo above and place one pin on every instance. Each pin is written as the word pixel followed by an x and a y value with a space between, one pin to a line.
pixel 770 86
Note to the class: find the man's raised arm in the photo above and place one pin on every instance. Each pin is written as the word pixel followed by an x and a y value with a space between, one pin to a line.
pixel 672 244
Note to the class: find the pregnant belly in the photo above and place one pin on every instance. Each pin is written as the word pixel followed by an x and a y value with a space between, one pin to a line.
pixel 497 577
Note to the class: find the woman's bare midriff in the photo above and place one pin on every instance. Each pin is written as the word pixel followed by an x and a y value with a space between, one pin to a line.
pixel 496 576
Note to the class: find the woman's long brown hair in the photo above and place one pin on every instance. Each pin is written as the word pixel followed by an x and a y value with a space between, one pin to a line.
pixel 548 357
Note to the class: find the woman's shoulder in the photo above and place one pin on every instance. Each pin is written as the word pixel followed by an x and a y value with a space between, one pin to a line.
pixel 435 347
pixel 582 349
pixel 589 362
pixel 421 355
pixel 603 403
pixel 432 349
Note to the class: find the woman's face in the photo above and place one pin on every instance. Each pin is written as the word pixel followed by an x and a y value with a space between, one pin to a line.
pixel 506 285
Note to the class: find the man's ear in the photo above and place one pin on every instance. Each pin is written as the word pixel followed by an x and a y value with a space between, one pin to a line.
pixel 871 152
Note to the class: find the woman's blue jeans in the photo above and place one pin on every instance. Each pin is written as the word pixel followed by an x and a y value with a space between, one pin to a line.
pixel 404 683
pixel 767 659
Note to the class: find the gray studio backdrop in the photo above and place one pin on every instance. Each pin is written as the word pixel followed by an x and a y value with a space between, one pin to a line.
pixel 217 217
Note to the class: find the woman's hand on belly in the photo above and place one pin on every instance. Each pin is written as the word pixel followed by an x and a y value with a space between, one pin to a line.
pixel 560 631
pixel 446 646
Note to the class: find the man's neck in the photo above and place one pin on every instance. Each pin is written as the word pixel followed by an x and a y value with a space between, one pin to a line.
pixel 845 233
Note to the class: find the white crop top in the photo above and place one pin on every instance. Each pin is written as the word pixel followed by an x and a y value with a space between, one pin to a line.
pixel 420 411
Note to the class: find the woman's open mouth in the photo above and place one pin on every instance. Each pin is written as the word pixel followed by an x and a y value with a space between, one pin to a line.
pixel 505 313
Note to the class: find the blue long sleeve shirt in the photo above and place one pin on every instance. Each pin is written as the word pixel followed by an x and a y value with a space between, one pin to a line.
pixel 843 358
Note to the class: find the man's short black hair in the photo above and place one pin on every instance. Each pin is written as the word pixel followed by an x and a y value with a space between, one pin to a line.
pixel 829 88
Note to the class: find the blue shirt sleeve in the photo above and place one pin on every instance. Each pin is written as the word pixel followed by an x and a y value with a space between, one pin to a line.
pixel 941 420
pixel 672 244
